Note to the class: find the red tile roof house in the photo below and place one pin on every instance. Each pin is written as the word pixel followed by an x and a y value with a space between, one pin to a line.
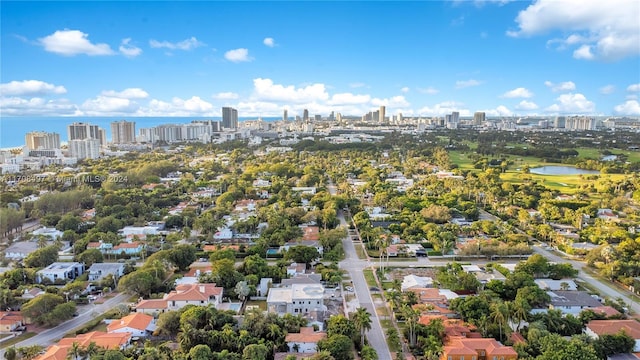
pixel 10 321
pixel 104 340
pixel 490 349
pixel 596 328
pixel 306 341
pixel 137 324
pixel 183 295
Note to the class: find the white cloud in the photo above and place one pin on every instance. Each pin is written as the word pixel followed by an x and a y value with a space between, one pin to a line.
pixel 583 52
pixel 518 93
pixel 572 103
pixel 16 106
pixel 563 86
pixel 106 105
pixel 238 55
pixel 607 89
pixel 129 50
pixel 429 90
pixel 130 93
pixel 633 87
pixel 349 99
pixel 226 96
pixel 194 106
pixel 630 107
pixel 269 42
pixel 265 89
pixel 73 42
pixel 501 110
pixel 526 105
pixel 606 30
pixel 393 102
pixel 30 87
pixel 405 89
pixel 461 84
pixel 443 108
pixel 187 44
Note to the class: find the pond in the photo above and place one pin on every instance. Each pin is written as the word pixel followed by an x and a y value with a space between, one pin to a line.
pixel 562 170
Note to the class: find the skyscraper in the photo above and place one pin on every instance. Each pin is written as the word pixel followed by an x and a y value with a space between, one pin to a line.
pixel 285 116
pixel 455 117
pixel 81 131
pixel 42 140
pixel 229 118
pixel 305 115
pixel 123 132
pixel 381 113
pixel 478 118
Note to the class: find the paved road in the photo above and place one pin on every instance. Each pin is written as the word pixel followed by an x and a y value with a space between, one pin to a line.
pixel 604 288
pixel 354 266
pixel 87 314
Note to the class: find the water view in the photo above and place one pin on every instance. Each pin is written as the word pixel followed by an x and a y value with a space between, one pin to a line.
pixel 562 170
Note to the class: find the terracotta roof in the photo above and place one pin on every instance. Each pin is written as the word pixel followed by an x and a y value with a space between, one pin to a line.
pixel 203 269
pixel 306 335
pixel 465 346
pixel 104 340
pixel 605 310
pixel 152 304
pixel 311 233
pixel 138 321
pixel 189 292
pixel 212 248
pixel 452 327
pixel 10 317
pixel 54 352
pixel 517 338
pixel 126 245
pixel 611 327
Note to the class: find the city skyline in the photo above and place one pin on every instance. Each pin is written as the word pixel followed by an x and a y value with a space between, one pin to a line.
pixel 428 58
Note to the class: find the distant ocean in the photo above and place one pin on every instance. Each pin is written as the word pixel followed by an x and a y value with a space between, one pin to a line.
pixel 14 129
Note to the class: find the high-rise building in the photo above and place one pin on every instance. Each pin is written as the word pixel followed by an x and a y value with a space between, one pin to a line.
pixel 81 131
pixel 381 113
pixel 399 118
pixel 317 117
pixel 123 132
pixel 42 140
pixel 285 116
pixel 85 149
pixel 559 122
pixel 455 117
pixel 479 118
pixel 305 115
pixel 229 118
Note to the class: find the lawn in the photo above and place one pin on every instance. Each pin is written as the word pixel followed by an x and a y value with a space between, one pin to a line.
pixel 368 276
pixel 262 305
pixel 17 339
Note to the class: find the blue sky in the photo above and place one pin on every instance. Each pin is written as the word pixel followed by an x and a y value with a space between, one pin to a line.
pixel 427 58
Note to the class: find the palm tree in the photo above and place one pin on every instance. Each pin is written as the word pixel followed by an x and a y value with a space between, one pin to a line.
pixel 499 314
pixel 520 311
pixel 411 318
pixel 75 351
pixel 91 350
pixel 362 320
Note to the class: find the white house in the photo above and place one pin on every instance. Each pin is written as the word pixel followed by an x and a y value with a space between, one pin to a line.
pixel 555 285
pixel 297 299
pixel 98 271
pixel 306 341
pixel 60 271
pixel 51 233
pixel 597 328
pixel 184 294
pixel 20 250
pixel 413 281
pixel 571 302
pixel 137 324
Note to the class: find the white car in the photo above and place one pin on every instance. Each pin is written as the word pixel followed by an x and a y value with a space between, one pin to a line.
pixel 349 288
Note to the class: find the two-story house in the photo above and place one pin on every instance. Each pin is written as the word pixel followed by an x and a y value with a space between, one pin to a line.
pixel 98 271
pixel 477 349
pixel 60 272
pixel 297 299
